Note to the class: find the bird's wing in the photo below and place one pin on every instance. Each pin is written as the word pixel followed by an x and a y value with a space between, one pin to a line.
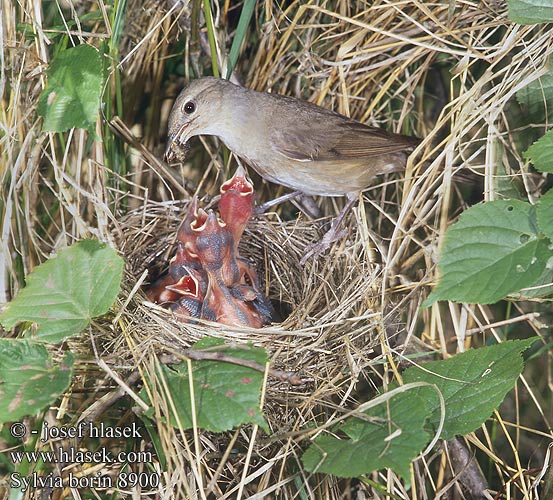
pixel 335 138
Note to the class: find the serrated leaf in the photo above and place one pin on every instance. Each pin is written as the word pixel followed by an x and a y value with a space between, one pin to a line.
pixel 537 96
pixel 542 287
pixel 541 153
pixel 473 384
pixel 225 394
pixel 72 94
pixel 392 436
pixel 64 293
pixel 393 433
pixel 28 380
pixel 493 250
pixel 530 11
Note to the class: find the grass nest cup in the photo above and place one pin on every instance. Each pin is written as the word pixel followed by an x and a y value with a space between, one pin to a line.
pixel 328 311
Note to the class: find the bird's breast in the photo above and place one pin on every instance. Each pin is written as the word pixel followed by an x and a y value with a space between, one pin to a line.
pixel 330 177
pixel 310 177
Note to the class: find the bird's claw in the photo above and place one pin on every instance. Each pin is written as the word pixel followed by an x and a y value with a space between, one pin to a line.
pixel 316 249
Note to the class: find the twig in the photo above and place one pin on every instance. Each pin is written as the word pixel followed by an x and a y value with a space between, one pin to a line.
pixel 93 412
pixel 289 377
pixel 497 324
pixel 110 398
pixel 121 129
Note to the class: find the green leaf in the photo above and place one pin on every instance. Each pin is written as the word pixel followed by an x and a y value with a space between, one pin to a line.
pixel 64 293
pixel 28 380
pixel 240 35
pixel 537 97
pixel 530 11
pixel 505 185
pixel 541 153
pixel 225 394
pixel 72 95
pixel 544 213
pixel 211 36
pixel 542 287
pixel 473 384
pixel 493 250
pixel 392 435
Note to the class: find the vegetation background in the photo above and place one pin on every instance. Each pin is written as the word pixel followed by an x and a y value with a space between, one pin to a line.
pixel 448 72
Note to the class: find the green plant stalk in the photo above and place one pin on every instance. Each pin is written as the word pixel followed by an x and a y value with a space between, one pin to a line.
pixel 154 436
pixel 240 36
pixel 213 50
pixel 195 15
pixel 115 156
pixel 378 487
pixel 118 24
pixel 59 46
pixel 211 37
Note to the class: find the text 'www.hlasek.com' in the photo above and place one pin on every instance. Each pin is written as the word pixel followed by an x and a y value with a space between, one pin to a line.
pixel 68 458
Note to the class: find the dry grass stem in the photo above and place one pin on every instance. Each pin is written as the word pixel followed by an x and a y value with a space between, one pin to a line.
pixel 349 321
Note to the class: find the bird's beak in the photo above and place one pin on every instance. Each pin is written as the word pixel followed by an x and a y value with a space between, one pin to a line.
pixel 178 140
pixel 169 150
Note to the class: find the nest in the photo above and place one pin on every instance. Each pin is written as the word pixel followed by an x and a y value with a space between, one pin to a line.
pixel 330 309
pixel 329 329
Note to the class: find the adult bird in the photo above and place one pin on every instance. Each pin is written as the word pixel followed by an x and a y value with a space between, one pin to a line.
pixel 289 141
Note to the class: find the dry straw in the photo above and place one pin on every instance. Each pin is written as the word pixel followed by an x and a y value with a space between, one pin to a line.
pixel 443 71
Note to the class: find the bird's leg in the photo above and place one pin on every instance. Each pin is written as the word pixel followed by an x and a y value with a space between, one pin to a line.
pixel 308 206
pixel 261 209
pixel 333 234
pixel 303 202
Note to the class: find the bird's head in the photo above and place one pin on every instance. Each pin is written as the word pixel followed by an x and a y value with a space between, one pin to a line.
pixel 197 111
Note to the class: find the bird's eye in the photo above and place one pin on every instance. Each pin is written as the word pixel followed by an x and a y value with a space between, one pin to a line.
pixel 189 107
